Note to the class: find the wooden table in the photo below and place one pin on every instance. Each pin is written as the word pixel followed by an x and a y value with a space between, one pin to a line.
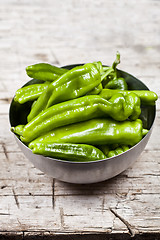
pixel 35 206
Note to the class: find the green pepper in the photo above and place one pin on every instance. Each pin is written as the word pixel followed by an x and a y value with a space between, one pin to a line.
pixel 111 77
pixel 81 109
pixel 44 71
pixel 18 130
pixel 68 151
pixel 104 148
pixel 72 84
pixel 98 64
pixel 96 90
pixel 117 151
pixel 147 97
pixel 117 83
pixel 30 92
pixel 97 131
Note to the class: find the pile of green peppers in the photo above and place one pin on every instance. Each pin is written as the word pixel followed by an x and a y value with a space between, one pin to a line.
pixel 83 114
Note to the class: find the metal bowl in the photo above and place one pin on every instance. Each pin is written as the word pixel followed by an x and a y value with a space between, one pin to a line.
pixel 85 172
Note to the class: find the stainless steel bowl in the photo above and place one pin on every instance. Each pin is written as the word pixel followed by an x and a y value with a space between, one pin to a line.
pixel 85 172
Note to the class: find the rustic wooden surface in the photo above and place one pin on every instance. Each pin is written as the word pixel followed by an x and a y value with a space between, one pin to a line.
pixel 65 32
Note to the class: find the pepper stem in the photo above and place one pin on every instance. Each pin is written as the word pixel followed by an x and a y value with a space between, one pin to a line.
pixel 117 61
pixel 106 73
pixel 106 68
pixel 111 69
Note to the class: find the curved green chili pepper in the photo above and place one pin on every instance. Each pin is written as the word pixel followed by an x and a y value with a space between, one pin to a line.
pixel 96 90
pixel 147 97
pixel 96 131
pixel 81 109
pixel 68 151
pixel 99 66
pixel 118 83
pixel 117 151
pixel 104 148
pixel 72 84
pixel 30 92
pixel 18 130
pixel 44 71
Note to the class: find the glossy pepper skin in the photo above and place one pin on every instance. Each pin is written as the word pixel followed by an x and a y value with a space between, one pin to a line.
pixel 18 130
pixel 147 97
pixel 68 151
pixel 30 92
pixel 96 131
pixel 44 71
pixel 72 84
pixel 82 109
pixel 117 151
pixel 95 90
pixel 117 83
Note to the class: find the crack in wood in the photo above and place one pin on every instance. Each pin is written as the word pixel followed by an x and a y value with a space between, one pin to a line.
pixel 112 228
pixel 62 218
pixel 15 197
pixel 7 100
pixel 128 225
pixel 5 214
pixel 103 202
pixel 53 186
pixel 4 186
pixel 56 61
pixel 152 174
pixel 20 223
pixel 5 151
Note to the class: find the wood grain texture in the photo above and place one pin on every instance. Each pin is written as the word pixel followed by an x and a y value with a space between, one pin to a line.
pixel 35 206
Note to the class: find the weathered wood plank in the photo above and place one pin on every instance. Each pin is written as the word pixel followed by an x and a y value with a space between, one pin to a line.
pixel 61 33
pixel 129 200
